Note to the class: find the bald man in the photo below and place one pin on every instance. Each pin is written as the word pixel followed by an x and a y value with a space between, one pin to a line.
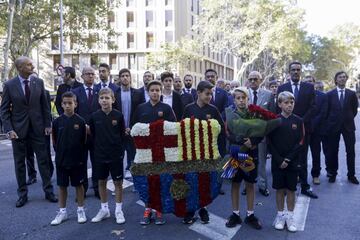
pixel 87 98
pixel 262 98
pixel 26 117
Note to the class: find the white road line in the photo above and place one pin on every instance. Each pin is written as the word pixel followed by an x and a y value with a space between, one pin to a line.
pixel 300 211
pixel 215 229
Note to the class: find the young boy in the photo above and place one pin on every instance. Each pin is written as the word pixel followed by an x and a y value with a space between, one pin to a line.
pixel 202 110
pixel 285 163
pixel 108 131
pixel 69 137
pixel 240 108
pixel 149 112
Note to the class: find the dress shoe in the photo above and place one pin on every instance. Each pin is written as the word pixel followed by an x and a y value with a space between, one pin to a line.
pixel 243 192
pixel 31 181
pixel 316 181
pixel 353 180
pixel 332 179
pixel 309 193
pixel 265 192
pixel 96 193
pixel 51 197
pixel 21 201
pixel 221 192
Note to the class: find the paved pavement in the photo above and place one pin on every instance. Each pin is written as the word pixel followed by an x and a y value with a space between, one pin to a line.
pixel 335 215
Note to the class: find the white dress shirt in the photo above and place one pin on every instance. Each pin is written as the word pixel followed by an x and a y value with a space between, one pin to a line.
pixel 168 99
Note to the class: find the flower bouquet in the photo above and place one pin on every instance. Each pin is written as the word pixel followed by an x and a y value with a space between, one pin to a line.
pixel 252 123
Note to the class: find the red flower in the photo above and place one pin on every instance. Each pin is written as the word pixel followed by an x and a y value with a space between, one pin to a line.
pixel 261 112
pixel 192 138
pixel 183 137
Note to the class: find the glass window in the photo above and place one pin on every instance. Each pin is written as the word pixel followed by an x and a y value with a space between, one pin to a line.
pixel 91 41
pixel 149 2
pixel 132 61
pixel 149 18
pixel 168 18
pixel 149 40
pixel 94 60
pixel 168 2
pixel 130 40
pixel 75 60
pixel 130 3
pixel 56 61
pixel 111 18
pixel 55 43
pixel 169 36
pixel 130 19
pixel 112 61
pixel 73 41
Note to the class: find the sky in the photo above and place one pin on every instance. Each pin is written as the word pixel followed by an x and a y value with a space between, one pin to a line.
pixel 322 15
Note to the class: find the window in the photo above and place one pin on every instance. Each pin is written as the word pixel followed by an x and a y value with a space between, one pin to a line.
pixel 130 19
pixel 111 44
pixel 56 61
pixel 168 2
pixel 130 3
pixel 94 60
pixel 192 20
pixel 75 60
pixel 73 41
pixel 91 41
pixel 55 43
pixel 131 61
pixel 112 61
pixel 149 2
pixel 130 40
pixel 149 40
pixel 169 36
pixel 168 18
pixel 111 18
pixel 149 18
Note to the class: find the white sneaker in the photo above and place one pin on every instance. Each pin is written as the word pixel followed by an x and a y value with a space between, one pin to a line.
pixel 101 215
pixel 81 216
pixel 290 223
pixel 279 222
pixel 60 217
pixel 119 215
pixel 128 174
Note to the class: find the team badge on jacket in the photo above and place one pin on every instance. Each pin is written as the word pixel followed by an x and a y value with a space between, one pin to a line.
pixel 208 116
pixel 76 126
pixel 294 126
pixel 160 114
pixel 114 122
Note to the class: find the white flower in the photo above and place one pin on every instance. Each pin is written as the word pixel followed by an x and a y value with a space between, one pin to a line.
pixel 143 156
pixel 140 129
pixel 170 128
pixel 172 154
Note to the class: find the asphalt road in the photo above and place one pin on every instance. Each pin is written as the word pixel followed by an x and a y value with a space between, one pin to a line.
pixel 335 215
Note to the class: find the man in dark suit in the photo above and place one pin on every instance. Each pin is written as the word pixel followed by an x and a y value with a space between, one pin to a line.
pixel 317 129
pixel 147 77
pixel 128 98
pixel 186 98
pixel 87 103
pixel 171 97
pixel 70 82
pixel 188 83
pixel 26 118
pixel 104 75
pixel 304 107
pixel 342 110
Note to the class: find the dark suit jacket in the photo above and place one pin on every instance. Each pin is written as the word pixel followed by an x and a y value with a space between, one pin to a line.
pixel 186 99
pixel 337 117
pixel 193 93
pixel 305 103
pixel 83 108
pixel 136 100
pixel 221 100
pixel 97 87
pixel 18 115
pixel 142 94
pixel 60 91
pixel 177 105
pixel 318 121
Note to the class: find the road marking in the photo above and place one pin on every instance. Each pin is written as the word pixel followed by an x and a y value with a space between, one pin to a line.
pixel 6 142
pixel 301 211
pixel 215 229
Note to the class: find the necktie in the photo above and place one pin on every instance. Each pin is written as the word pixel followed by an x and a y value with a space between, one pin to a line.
pixel 296 91
pixel 90 95
pixel 255 98
pixel 27 90
pixel 342 98
pixel 104 85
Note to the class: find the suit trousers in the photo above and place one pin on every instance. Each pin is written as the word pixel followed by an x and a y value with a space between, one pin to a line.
pixel 89 149
pixel 262 177
pixel 349 139
pixel 303 174
pixel 129 147
pixel 19 151
pixel 316 140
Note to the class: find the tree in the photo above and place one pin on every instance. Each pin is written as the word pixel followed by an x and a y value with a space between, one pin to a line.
pixel 251 29
pixel 174 56
pixel 36 21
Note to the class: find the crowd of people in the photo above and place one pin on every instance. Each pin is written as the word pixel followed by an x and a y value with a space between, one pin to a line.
pixel 95 121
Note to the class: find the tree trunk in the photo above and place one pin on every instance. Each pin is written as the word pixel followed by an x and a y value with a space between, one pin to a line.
pixel 8 40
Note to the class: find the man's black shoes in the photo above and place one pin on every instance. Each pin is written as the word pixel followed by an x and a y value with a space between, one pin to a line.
pixel 21 201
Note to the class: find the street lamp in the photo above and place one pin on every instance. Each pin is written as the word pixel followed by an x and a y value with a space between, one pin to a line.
pixel 61 34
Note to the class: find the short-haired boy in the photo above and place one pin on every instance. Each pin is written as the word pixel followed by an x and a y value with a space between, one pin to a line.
pixel 108 131
pixel 241 101
pixel 149 112
pixel 69 137
pixel 286 142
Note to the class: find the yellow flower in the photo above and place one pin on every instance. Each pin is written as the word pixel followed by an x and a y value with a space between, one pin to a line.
pixel 197 139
